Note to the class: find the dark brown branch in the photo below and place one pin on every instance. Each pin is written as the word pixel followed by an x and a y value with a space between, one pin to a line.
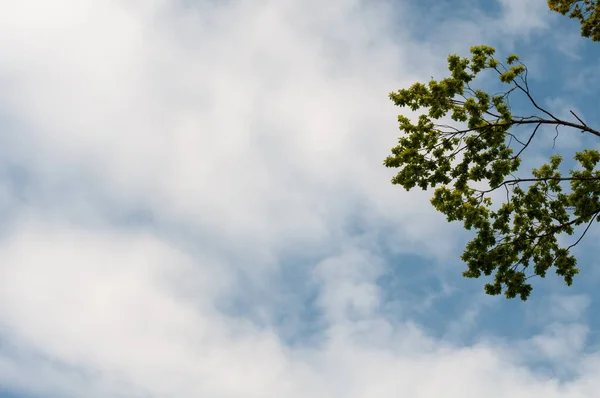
pixel 526 91
pixel 528 141
pixel 540 121
pixel 585 231
pixel 519 180
pixel 577 117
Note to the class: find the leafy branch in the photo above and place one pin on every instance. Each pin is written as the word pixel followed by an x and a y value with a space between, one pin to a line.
pixel 586 11
pixel 519 239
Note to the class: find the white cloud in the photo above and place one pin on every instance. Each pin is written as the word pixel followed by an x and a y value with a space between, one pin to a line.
pixel 258 129
pixel 254 127
pixel 561 342
pixel 521 17
pixel 114 307
pixel 568 308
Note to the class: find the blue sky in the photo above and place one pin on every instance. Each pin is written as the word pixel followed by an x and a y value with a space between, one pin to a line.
pixel 194 204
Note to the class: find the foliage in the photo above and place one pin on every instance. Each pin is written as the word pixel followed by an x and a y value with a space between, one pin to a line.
pixel 586 11
pixel 519 238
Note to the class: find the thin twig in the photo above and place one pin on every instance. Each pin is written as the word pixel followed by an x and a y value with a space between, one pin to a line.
pixel 577 117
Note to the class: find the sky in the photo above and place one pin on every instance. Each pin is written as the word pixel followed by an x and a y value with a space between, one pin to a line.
pixel 193 204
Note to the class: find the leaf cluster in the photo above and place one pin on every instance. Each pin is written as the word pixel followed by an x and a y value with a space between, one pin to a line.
pixel 520 238
pixel 586 11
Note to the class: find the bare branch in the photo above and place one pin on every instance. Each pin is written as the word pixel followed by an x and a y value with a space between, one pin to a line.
pixel 555 137
pixel 529 140
pixel 577 117
pixel 585 231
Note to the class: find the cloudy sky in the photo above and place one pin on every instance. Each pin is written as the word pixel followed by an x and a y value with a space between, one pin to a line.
pixel 193 204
